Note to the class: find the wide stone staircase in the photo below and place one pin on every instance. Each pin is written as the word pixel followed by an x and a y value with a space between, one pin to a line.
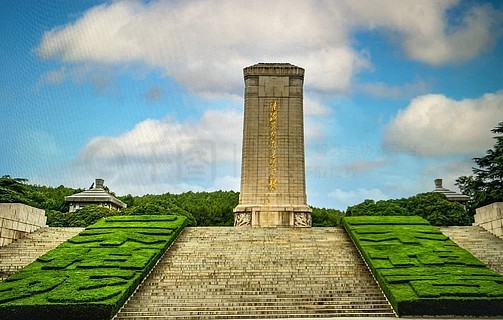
pixel 25 250
pixel 482 244
pixel 246 273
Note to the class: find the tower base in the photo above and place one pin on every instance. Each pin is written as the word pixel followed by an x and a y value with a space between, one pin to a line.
pixel 272 216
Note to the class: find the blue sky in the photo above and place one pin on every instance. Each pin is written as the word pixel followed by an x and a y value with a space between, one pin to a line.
pixel 148 94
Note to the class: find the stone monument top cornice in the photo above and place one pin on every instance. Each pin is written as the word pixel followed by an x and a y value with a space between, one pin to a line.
pixel 273 69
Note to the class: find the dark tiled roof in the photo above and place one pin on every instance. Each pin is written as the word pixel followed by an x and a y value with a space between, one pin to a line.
pixel 450 195
pixel 95 195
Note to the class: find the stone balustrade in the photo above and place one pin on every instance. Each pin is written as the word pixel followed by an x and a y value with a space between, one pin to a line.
pixel 17 220
pixel 490 217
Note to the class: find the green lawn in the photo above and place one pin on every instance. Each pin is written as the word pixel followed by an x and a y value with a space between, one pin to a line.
pixel 91 275
pixel 421 271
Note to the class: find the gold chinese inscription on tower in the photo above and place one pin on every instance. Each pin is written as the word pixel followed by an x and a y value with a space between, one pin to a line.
pixel 273 165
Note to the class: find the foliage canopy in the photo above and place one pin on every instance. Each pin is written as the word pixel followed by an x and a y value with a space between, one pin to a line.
pixel 485 186
pixel 432 206
pixel 421 271
pixel 92 274
pixel 215 208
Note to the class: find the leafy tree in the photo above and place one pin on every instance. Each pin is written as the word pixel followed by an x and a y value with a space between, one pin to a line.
pixel 14 184
pixel 432 206
pixel 128 200
pixel 159 207
pixel 57 218
pixel 14 190
pixel 79 218
pixel 485 186
pixel 439 211
pixel 323 217
pixel 202 208
pixel 42 197
pixel 88 215
pixel 107 189
pixel 379 208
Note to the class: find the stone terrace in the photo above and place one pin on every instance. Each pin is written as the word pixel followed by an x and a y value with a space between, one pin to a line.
pixel 223 273
pixel 25 250
pixel 482 244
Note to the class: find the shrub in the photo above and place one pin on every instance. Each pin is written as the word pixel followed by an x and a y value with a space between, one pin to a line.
pixel 89 215
pixel 421 271
pixel 56 218
pixel 432 206
pixel 91 275
pixel 159 207
pixel 326 217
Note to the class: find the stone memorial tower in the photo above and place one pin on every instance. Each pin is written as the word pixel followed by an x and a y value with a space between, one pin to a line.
pixel 273 182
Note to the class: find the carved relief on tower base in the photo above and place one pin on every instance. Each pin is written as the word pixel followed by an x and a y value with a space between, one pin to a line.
pixel 272 216
pixel 242 219
pixel 302 219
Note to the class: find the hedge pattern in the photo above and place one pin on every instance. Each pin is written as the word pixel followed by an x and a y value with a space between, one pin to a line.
pixel 92 274
pixel 423 272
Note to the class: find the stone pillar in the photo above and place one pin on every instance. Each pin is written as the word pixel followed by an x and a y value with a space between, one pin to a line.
pixel 273 185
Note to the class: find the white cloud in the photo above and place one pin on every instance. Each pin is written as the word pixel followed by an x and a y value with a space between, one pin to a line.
pixel 436 125
pixel 226 183
pixel 221 130
pixel 405 91
pixel 158 154
pixel 423 29
pixel 55 76
pixel 459 44
pixel 154 93
pixel 343 198
pixel 204 44
pixel 313 107
pixel 448 171
pixel 313 131
pixel 124 188
pixel 366 165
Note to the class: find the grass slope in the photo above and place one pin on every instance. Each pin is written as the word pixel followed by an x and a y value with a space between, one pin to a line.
pixel 421 271
pixel 91 275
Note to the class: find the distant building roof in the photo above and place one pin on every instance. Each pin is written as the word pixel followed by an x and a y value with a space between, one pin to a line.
pixel 450 195
pixel 96 194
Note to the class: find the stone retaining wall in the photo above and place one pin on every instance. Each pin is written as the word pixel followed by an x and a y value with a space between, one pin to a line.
pixel 490 217
pixel 18 220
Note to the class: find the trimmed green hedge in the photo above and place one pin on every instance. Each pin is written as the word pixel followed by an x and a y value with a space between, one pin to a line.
pixel 91 275
pixel 421 271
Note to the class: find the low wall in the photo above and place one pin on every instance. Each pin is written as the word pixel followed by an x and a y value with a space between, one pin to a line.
pixel 490 217
pixel 18 220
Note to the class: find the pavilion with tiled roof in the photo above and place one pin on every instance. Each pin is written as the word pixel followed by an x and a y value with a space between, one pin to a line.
pixel 94 196
pixel 450 195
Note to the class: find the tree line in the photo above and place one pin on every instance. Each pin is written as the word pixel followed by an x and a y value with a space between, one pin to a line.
pixel 214 208
pixel 485 186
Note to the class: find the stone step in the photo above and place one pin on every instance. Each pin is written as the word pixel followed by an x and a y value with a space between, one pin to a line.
pixel 482 244
pixel 257 311
pixel 219 302
pixel 313 310
pixel 227 303
pixel 253 273
pixel 255 306
pixel 260 286
pixel 26 250
pixel 255 285
pixel 256 295
pixel 259 295
pixel 260 316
